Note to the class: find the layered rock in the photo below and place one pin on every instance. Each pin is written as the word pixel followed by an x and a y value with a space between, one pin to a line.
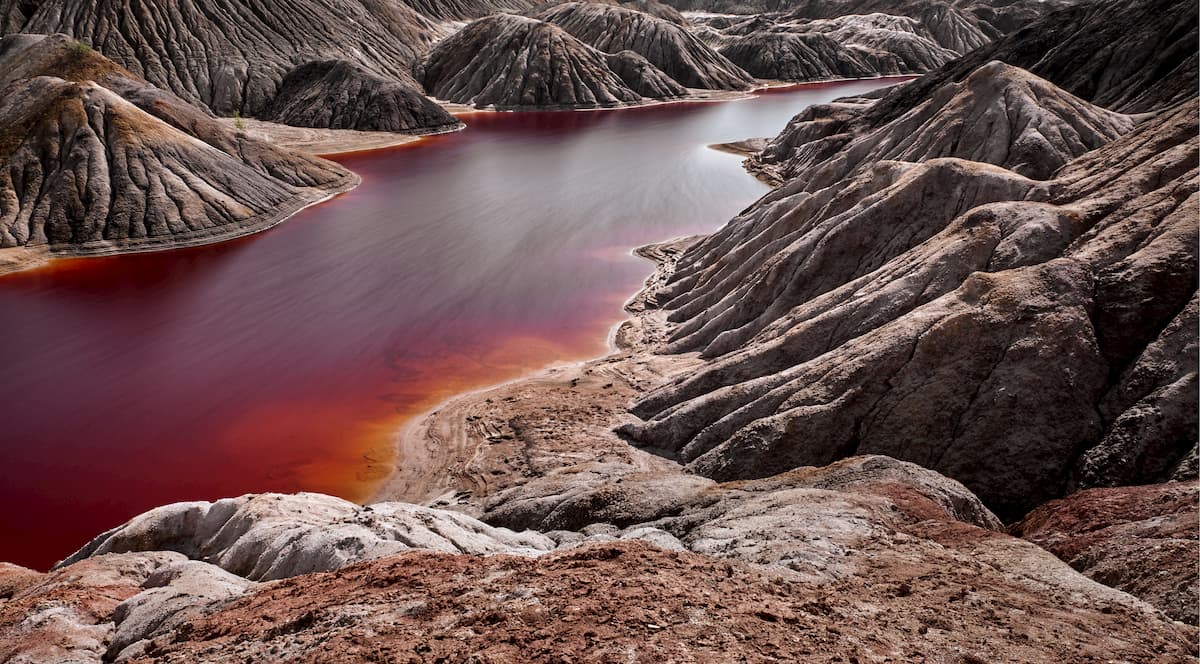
pixel 951 313
pixel 789 56
pixel 1094 50
pixel 998 115
pixel 337 94
pixel 230 55
pixel 884 38
pixel 644 78
pixel 274 536
pixel 669 47
pixel 465 10
pixel 861 557
pixel 510 61
pixel 1140 539
pixel 97 161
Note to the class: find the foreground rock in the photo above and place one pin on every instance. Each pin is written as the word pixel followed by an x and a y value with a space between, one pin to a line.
pixel 146 170
pixel 337 94
pixel 667 46
pixel 230 55
pixel 512 62
pixel 274 536
pixel 859 560
pixel 1139 539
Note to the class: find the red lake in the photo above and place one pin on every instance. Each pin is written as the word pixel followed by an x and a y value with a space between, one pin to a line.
pixel 288 360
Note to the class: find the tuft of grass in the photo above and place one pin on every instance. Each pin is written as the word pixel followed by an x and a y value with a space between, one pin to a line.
pixel 237 120
pixel 78 50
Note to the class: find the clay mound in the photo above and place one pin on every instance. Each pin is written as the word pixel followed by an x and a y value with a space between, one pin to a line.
pixel 511 61
pixel 671 48
pixel 1005 332
pixel 342 95
pixel 465 10
pixel 998 115
pixel 643 77
pixel 274 536
pixel 1094 50
pixel 145 169
pixel 1141 540
pixel 901 37
pixel 822 553
pixel 789 56
pixel 230 55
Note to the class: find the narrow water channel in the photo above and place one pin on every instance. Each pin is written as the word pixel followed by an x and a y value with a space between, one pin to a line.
pixel 286 361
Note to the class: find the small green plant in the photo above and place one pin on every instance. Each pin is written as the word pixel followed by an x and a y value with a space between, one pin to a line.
pixel 78 50
pixel 237 121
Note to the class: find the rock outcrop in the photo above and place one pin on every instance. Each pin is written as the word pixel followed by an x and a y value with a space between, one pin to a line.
pixel 789 56
pixel 230 55
pixel 98 161
pixel 465 10
pixel 510 61
pixel 337 94
pixel 1139 539
pixel 273 536
pixel 952 313
pixel 859 558
pixel 1095 50
pixel 644 78
pixel 667 46
pixel 998 115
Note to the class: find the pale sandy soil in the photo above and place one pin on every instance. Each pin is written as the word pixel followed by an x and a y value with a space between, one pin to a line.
pixel 16 259
pixel 319 141
pixel 483 442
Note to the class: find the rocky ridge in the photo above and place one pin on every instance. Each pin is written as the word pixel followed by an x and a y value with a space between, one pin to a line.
pixel 513 62
pixel 667 46
pixel 806 545
pixel 231 55
pixel 98 161
pixel 337 94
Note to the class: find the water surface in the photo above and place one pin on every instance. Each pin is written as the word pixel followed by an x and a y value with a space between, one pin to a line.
pixel 286 361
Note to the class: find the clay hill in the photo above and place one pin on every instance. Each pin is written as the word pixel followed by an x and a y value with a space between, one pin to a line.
pixel 337 94
pixel 509 61
pixel 666 45
pixel 230 55
pixel 856 561
pixel 99 161
pixel 994 279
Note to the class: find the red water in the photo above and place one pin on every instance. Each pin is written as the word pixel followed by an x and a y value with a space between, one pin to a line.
pixel 286 361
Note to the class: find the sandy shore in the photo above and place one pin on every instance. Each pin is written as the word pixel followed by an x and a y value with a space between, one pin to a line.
pixel 324 142
pixel 479 443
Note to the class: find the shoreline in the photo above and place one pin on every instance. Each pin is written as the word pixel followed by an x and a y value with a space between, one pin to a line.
pixel 560 418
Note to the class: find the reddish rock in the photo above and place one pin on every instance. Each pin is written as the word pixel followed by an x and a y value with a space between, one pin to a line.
pixel 1140 539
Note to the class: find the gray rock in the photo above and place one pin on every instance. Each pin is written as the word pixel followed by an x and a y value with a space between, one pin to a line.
pixel 230 55
pixel 949 313
pixel 273 536
pixel 337 94
pixel 671 48
pixel 510 62
pixel 789 56
pixel 146 170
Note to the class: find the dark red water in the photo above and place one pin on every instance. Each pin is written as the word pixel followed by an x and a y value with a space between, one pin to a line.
pixel 286 361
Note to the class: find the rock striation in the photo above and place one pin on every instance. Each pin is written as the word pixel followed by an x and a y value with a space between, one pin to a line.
pixel 860 557
pixel 337 94
pixel 789 56
pixel 98 161
pixel 668 46
pixel 230 55
pixel 509 62
pixel 953 313
pixel 262 537
pixel 998 115
pixel 1139 539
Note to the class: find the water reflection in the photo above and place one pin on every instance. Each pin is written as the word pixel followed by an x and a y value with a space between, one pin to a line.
pixel 285 361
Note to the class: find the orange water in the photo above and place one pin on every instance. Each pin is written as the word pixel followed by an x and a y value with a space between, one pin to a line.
pixel 287 361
